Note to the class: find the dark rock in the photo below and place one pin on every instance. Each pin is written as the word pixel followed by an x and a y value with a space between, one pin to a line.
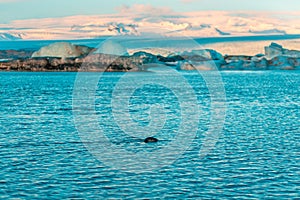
pixel 106 62
pixel 281 63
pixel 40 64
pixel 174 58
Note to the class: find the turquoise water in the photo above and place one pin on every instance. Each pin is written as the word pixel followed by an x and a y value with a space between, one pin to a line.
pixel 36 44
pixel 256 156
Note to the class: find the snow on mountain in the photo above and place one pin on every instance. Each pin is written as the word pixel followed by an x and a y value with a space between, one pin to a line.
pixel 268 32
pixel 123 29
pixel 111 28
pixel 208 31
pixel 138 20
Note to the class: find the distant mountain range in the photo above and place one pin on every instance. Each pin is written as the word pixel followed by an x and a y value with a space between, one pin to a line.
pixel 195 24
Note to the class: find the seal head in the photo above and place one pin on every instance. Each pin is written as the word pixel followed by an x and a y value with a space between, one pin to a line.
pixel 150 140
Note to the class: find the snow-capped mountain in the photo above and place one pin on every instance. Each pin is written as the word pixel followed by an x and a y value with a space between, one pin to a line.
pixel 109 28
pixel 192 24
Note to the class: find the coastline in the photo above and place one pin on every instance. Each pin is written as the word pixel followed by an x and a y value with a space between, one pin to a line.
pixel 218 54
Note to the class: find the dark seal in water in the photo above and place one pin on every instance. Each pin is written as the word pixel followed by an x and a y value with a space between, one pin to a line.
pixel 150 139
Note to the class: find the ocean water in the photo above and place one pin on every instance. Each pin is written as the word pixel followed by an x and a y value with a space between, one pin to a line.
pixel 44 152
pixel 37 44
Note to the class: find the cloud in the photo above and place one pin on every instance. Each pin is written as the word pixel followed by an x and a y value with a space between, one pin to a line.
pixel 145 10
pixel 148 13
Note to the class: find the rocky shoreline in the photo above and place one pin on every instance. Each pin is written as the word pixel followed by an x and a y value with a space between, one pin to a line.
pixel 72 58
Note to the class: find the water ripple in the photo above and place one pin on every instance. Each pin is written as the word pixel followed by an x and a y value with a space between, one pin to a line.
pixel 257 157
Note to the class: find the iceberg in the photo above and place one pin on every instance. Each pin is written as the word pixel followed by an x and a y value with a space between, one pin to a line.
pixel 62 50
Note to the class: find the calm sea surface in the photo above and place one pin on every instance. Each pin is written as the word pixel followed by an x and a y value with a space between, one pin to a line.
pixel 36 44
pixel 257 155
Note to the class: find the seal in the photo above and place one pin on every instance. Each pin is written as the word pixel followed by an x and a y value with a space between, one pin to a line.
pixel 150 140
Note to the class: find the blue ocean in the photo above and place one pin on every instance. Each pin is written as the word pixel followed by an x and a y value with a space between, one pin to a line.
pixel 36 44
pixel 221 135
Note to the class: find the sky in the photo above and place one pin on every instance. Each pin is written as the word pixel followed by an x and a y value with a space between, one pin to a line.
pixel 31 9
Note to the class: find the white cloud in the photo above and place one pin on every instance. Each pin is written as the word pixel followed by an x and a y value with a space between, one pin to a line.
pixel 144 9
